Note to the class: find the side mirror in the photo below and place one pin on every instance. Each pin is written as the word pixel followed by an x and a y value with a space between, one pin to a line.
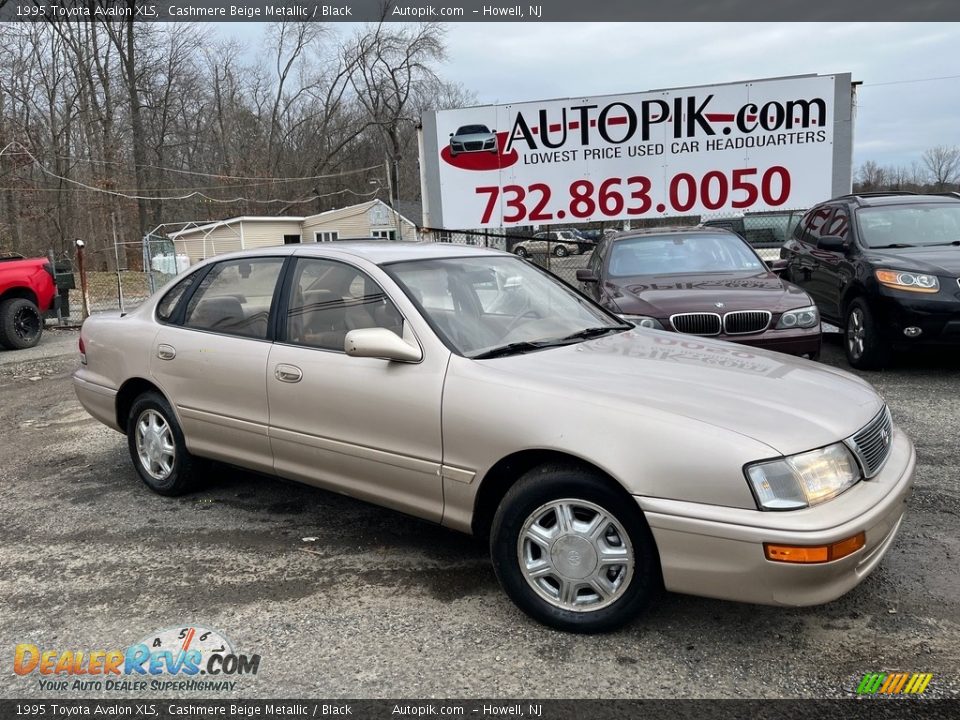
pixel 586 275
pixel 776 266
pixel 494 130
pixel 832 243
pixel 380 343
pixel 451 134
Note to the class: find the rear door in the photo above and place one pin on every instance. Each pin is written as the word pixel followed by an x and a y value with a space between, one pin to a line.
pixel 802 253
pixel 833 271
pixel 210 360
pixel 367 427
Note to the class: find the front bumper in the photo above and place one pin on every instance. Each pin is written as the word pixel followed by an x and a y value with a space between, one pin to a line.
pixel 800 342
pixel 718 552
pixel 937 315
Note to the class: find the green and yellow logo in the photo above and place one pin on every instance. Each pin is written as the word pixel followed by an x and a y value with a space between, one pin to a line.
pixel 894 683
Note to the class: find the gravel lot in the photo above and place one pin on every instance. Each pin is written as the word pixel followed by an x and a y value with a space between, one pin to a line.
pixel 380 605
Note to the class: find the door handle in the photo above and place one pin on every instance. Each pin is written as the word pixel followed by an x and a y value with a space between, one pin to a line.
pixel 166 352
pixel 288 373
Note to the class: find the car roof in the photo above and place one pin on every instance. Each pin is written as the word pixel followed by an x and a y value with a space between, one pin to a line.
pixel 672 230
pixel 898 198
pixel 379 253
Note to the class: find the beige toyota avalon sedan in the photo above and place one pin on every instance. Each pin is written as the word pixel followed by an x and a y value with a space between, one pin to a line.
pixel 469 388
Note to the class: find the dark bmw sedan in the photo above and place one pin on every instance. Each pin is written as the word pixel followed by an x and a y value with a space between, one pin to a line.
pixel 701 281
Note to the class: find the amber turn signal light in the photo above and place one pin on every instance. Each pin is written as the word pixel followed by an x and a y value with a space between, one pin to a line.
pixel 807 554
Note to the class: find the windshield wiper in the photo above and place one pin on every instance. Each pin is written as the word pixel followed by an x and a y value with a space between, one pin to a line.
pixel 593 332
pixel 955 243
pixel 892 245
pixel 514 348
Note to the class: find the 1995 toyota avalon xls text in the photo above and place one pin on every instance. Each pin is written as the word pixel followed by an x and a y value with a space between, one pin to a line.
pixel 470 388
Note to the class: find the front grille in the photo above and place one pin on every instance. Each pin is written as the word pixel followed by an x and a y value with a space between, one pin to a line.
pixel 872 444
pixel 473 146
pixel 696 323
pixel 742 322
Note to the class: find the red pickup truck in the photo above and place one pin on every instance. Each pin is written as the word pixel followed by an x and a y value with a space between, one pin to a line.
pixel 27 291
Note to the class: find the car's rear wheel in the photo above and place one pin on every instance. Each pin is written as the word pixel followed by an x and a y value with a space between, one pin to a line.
pixel 573 552
pixel 157 447
pixel 862 340
pixel 21 324
pixel 561 251
pixel 520 251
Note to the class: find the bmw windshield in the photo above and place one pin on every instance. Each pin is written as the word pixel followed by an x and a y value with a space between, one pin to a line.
pixel 491 306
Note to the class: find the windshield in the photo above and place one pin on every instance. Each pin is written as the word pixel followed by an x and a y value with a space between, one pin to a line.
pixel 473 130
pixel 928 224
pixel 672 254
pixel 482 304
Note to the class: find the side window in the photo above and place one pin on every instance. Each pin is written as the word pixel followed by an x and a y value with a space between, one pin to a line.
pixel 839 224
pixel 811 227
pixel 596 258
pixel 168 305
pixel 234 298
pixel 329 299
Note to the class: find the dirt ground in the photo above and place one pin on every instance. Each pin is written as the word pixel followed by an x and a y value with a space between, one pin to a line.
pixel 341 598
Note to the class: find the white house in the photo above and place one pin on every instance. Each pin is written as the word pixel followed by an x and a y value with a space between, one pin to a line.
pixel 370 219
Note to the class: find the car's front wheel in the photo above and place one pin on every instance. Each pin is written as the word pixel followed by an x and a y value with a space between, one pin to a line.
pixel 21 324
pixel 561 251
pixel 520 251
pixel 573 552
pixel 866 349
pixel 157 447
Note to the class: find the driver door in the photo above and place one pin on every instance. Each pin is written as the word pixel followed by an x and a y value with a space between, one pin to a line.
pixel 366 427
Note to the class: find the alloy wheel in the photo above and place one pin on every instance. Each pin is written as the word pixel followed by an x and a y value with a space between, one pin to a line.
pixel 26 324
pixel 575 555
pixel 155 444
pixel 856 333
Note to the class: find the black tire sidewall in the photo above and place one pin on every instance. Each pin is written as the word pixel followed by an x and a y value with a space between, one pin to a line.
pixel 8 335
pixel 180 480
pixel 540 487
pixel 560 251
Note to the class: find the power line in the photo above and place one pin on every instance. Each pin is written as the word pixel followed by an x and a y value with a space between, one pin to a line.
pixel 915 80
pixel 205 174
pixel 190 195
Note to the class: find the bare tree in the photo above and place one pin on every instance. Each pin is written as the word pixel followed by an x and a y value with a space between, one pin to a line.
pixel 943 164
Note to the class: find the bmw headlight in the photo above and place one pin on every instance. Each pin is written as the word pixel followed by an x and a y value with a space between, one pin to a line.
pixel 799 481
pixel 911 282
pixel 806 317
pixel 644 321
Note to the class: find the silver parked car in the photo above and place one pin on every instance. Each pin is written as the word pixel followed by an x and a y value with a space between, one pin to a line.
pixel 470 388
pixel 559 243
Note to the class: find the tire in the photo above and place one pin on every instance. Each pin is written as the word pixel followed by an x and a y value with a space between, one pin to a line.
pixel 520 251
pixel 561 251
pixel 866 348
pixel 21 324
pixel 537 499
pixel 164 443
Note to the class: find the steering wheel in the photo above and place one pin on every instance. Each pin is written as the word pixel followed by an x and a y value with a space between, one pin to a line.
pixel 516 321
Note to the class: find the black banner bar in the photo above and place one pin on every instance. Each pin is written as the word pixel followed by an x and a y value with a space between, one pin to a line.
pixel 478 10
pixel 182 709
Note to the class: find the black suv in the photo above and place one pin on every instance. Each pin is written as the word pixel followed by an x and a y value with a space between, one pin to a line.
pixel 884 267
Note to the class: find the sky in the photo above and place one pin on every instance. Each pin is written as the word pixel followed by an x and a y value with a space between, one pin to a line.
pixel 898 115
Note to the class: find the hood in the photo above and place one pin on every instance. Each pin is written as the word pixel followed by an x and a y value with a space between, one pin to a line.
pixel 664 295
pixel 789 404
pixel 942 260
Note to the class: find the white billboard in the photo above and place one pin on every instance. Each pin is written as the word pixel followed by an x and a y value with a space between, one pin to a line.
pixel 718 149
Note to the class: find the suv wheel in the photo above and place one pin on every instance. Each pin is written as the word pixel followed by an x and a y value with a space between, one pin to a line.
pixel 21 324
pixel 157 447
pixel 572 552
pixel 861 338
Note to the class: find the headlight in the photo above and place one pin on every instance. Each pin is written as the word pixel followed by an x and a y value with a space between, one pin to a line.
pixel 807 317
pixel 644 321
pixel 911 282
pixel 799 481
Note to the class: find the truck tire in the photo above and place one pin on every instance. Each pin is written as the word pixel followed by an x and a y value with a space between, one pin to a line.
pixel 21 324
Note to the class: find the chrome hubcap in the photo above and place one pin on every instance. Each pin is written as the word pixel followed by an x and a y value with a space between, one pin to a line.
pixel 856 332
pixel 575 555
pixel 155 446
